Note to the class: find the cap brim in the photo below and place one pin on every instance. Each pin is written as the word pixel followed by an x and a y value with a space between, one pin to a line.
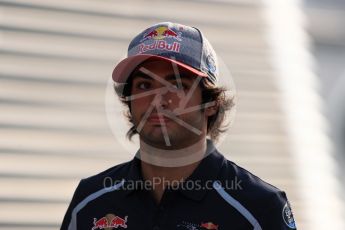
pixel 127 65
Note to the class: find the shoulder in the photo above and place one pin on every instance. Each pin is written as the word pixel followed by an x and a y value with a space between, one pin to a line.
pixel 103 180
pixel 92 187
pixel 249 185
pixel 267 203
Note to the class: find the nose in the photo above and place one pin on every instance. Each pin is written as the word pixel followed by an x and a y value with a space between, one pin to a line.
pixel 164 98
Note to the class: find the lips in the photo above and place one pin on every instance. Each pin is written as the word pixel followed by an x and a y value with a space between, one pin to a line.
pixel 156 119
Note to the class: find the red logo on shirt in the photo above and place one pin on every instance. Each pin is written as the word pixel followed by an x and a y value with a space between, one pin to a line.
pixel 191 226
pixel 209 225
pixel 109 222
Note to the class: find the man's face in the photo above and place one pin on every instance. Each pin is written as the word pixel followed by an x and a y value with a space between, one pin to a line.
pixel 166 106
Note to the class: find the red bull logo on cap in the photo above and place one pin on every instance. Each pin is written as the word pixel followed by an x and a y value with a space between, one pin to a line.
pixel 160 33
pixel 160 45
pixel 156 39
pixel 109 222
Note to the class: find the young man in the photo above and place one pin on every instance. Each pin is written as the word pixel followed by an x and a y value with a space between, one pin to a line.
pixel 178 179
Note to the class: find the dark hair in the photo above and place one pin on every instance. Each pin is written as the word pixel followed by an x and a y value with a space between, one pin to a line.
pixel 210 93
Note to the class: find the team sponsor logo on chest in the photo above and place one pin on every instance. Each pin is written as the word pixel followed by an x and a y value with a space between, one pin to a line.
pixel 202 226
pixel 109 222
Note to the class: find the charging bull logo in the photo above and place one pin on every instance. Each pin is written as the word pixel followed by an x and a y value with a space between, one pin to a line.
pixel 109 222
pixel 160 33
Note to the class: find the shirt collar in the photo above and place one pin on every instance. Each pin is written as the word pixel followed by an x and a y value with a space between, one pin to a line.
pixel 134 176
pixel 204 175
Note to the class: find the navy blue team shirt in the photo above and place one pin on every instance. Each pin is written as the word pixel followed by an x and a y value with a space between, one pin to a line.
pixel 219 195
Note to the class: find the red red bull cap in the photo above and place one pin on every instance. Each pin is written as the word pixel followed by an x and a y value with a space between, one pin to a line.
pixel 180 44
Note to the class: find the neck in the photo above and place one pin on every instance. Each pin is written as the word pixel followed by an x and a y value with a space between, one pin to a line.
pixel 170 164
pixel 172 158
pixel 169 167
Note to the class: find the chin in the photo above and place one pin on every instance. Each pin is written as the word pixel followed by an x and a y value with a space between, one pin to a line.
pixel 176 141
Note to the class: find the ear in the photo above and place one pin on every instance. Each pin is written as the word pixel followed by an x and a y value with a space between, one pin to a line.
pixel 210 111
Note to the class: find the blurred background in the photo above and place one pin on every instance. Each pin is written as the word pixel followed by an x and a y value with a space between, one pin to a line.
pixel 56 58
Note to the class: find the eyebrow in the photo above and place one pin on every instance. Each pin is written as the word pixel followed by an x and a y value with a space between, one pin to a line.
pixel 176 77
pixel 170 77
pixel 142 75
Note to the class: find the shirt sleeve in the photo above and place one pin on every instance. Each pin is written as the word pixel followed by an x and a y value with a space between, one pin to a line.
pixel 77 197
pixel 278 215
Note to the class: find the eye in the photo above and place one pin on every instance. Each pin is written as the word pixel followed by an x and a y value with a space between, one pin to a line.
pixel 144 85
pixel 180 86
